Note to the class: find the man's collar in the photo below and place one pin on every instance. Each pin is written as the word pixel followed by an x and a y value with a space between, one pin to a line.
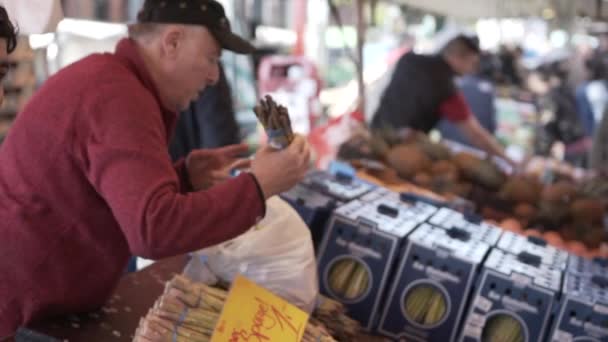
pixel 447 65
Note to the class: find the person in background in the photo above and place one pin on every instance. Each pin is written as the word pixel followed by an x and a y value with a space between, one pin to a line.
pixel 599 149
pixel 562 124
pixel 597 91
pixel 8 43
pixel 86 180
pixel 510 65
pixel 209 122
pixel 422 92
pixel 478 90
pixel 583 105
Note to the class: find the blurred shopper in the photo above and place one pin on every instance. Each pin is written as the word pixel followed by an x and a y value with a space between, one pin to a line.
pixel 583 105
pixel 510 60
pixel 422 91
pixel 597 91
pixel 478 90
pixel 86 179
pixel 8 43
pixel 562 123
pixel 599 149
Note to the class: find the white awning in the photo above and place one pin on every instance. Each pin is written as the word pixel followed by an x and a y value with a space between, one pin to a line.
pixel 34 16
pixel 481 8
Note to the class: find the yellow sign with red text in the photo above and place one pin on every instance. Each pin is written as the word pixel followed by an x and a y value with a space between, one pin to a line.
pixel 254 314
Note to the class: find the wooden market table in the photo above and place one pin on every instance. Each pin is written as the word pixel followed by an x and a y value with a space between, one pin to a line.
pixel 119 318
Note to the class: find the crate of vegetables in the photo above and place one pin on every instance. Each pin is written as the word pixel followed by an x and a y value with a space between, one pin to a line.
pixel 433 281
pixel 583 312
pixel 514 299
pixel 362 242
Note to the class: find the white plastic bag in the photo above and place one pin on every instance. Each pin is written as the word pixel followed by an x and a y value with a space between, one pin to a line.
pixel 277 254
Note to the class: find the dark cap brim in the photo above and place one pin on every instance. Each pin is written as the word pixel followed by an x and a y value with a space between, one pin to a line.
pixel 233 42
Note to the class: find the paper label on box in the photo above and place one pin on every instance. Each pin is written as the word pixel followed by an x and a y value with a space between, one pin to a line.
pixel 601 309
pixel 483 304
pixel 472 331
pixel 477 320
pixel 561 336
pixel 520 280
pixel 252 313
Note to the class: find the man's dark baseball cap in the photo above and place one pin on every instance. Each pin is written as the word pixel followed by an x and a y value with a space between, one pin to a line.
pixel 208 13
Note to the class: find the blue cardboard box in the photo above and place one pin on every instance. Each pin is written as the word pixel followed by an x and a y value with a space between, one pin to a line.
pixel 434 279
pixel 583 315
pixel 360 247
pixel 448 218
pixel 341 187
pixel 314 207
pixel 515 297
pixel 547 254
pixel 584 266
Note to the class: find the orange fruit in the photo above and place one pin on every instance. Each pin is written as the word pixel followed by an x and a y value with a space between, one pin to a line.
pixel 578 248
pixel 533 232
pixel 554 239
pixel 512 225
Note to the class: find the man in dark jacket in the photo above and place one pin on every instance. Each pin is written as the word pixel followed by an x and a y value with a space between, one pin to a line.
pixel 422 92
pixel 479 92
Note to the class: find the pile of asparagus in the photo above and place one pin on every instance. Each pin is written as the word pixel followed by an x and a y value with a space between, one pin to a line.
pixel 188 311
pixel 332 315
pixel 503 328
pixel 425 305
pixel 276 122
pixel 349 279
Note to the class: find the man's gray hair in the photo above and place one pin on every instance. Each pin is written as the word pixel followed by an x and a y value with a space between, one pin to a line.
pixel 143 30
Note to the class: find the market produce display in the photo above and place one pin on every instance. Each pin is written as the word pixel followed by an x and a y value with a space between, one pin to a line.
pixel 558 202
pixel 189 311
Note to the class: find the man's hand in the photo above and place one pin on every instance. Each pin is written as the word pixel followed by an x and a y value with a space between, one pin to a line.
pixel 278 171
pixel 480 137
pixel 207 167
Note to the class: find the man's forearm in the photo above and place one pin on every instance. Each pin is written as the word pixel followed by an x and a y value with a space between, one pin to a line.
pixel 489 144
pixel 481 138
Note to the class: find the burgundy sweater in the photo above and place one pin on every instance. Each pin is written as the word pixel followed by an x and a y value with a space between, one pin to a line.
pixel 86 181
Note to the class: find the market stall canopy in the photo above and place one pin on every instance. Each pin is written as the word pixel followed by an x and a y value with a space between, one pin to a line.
pixel 34 16
pixel 481 8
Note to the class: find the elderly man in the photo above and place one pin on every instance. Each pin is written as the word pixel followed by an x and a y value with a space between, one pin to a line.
pixel 86 179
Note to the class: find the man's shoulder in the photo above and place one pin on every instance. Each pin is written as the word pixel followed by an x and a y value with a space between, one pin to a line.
pixel 96 70
pixel 415 61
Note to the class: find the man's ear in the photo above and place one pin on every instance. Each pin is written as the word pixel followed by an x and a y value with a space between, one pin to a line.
pixel 171 41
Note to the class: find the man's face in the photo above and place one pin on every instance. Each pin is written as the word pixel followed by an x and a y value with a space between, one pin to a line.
pixel 4 66
pixel 190 65
pixel 466 63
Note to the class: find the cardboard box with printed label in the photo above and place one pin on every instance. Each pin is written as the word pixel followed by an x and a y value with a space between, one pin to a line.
pixel 434 278
pixel 584 266
pixel 319 194
pixel 360 247
pixel 341 187
pixel 583 314
pixel 514 299
pixel 482 231
pixel 547 254
pixel 314 207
